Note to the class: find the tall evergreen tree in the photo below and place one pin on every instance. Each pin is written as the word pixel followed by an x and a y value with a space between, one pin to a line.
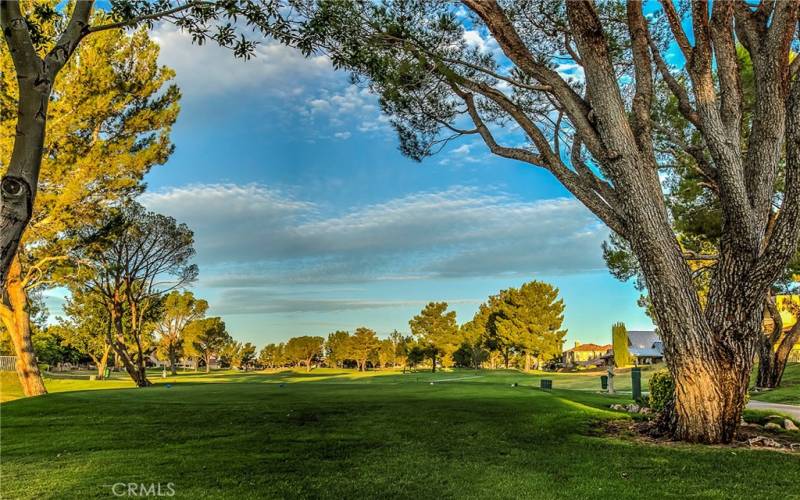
pixel 362 345
pixel 205 339
pixel 131 261
pixel 530 318
pixel 336 348
pixel 619 341
pixel 436 329
pixel 109 126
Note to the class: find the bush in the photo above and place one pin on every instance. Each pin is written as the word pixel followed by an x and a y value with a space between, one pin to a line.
pixel 662 389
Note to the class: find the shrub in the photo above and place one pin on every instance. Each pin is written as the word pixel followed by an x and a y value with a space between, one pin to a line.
pixel 662 389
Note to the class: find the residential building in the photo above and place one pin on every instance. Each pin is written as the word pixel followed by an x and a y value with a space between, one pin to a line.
pixel 586 354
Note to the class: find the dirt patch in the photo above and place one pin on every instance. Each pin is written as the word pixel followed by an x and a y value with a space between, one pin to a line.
pixel 747 436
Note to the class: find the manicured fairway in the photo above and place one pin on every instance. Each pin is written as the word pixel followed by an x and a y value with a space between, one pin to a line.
pixel 344 435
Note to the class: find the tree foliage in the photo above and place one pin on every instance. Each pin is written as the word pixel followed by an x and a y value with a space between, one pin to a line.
pixel 435 328
pixel 619 341
pixel 303 350
pixel 178 310
pixel 362 345
pixel 600 137
pixel 205 338
pixel 110 125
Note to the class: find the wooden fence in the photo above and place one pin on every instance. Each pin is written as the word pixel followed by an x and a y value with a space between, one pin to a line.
pixel 8 363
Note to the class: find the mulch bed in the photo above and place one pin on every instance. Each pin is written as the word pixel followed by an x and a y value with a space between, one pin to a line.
pixel 747 436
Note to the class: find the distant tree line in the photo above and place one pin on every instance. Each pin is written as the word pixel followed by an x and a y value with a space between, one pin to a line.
pixel 518 327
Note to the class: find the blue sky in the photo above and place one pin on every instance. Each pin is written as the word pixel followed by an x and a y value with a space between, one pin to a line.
pixel 308 219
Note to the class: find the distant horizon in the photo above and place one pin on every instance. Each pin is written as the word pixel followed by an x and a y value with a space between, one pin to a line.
pixel 308 220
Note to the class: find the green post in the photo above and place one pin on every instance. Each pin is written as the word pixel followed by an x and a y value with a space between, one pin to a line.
pixel 604 382
pixel 636 383
pixel 106 373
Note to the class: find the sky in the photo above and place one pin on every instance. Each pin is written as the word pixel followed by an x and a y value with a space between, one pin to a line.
pixel 307 218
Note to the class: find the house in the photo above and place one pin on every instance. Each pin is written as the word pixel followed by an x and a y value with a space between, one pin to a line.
pixel 645 347
pixel 586 354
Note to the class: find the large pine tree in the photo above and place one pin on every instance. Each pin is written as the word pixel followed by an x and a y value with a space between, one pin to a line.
pixel 109 126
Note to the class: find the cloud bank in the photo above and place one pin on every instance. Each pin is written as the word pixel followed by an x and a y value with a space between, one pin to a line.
pixel 253 236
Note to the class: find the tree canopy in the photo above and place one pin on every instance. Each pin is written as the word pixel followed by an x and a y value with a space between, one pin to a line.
pixel 597 135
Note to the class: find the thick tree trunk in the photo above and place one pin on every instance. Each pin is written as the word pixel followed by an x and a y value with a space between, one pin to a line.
pixel 709 399
pixel 16 318
pixel 527 361
pixel 611 379
pixel 433 363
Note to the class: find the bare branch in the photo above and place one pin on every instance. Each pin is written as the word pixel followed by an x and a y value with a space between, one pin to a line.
pixel 493 74
pixel 677 89
pixel 514 48
pixel 677 29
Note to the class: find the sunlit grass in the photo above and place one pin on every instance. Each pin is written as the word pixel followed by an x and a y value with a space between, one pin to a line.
pixel 343 434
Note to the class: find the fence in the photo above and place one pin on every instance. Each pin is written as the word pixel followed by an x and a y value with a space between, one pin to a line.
pixel 8 363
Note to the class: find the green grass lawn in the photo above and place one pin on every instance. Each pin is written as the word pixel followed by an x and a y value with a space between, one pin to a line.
pixel 788 392
pixel 340 434
pixel 585 381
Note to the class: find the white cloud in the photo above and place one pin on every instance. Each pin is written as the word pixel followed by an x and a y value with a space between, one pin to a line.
pixel 346 110
pixel 571 71
pixel 209 70
pixel 256 230
pixel 474 39
pixel 266 251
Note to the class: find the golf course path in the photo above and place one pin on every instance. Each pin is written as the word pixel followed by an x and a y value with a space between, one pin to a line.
pixel 792 410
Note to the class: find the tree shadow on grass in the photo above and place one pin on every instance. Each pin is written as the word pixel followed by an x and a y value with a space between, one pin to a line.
pixel 333 441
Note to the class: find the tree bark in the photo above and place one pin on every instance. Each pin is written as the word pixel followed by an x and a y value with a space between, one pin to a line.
pixel 102 363
pixel 709 399
pixel 117 341
pixel 774 350
pixel 16 318
pixel 35 76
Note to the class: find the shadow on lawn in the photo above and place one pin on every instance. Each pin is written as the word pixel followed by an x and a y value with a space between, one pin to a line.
pixel 302 440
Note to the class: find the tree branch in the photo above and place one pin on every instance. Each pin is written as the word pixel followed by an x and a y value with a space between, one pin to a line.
pixel 514 48
pixel 643 98
pixel 156 15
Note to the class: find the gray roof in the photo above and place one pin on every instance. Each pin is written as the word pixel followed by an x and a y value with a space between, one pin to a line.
pixel 645 343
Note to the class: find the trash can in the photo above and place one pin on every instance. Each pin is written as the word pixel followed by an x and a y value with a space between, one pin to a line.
pixel 546 384
pixel 604 382
pixel 636 383
pixel 106 372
